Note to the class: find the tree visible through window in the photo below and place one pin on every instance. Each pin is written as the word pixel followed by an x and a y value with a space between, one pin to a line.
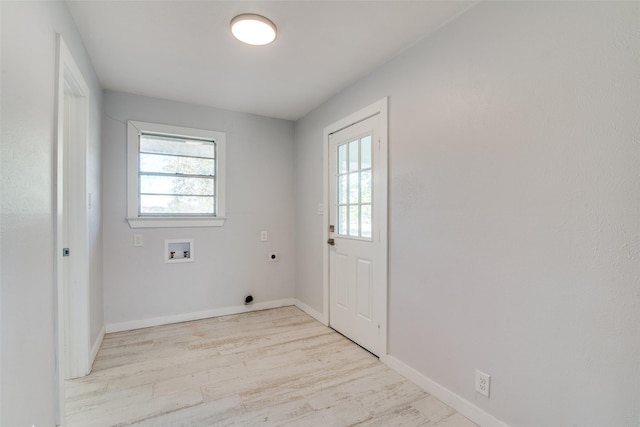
pixel 177 176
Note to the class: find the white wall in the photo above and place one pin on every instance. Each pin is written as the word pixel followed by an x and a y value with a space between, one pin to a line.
pixel 230 261
pixel 27 295
pixel 514 208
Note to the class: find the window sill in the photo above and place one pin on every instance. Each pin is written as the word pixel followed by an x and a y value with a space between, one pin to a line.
pixel 175 222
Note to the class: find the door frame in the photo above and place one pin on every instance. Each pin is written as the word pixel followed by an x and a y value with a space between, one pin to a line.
pixel 377 108
pixel 72 301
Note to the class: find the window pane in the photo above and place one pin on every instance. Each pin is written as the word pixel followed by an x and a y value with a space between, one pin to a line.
pixel 173 164
pixel 342 158
pixel 343 189
pixel 353 156
pixel 151 184
pixel 177 146
pixel 354 187
pixel 342 220
pixel 365 152
pixel 176 205
pixel 365 220
pixel 365 187
pixel 354 221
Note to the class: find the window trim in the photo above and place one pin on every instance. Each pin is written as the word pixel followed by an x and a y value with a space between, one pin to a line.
pixel 135 220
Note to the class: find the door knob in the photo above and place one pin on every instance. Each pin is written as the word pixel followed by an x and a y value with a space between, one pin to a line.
pixel 331 242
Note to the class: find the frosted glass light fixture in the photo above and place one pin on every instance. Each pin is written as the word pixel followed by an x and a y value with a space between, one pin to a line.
pixel 253 29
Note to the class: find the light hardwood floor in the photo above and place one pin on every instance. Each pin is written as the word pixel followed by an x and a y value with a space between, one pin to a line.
pixel 273 367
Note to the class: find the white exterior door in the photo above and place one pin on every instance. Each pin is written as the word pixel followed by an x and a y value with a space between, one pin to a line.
pixel 357 232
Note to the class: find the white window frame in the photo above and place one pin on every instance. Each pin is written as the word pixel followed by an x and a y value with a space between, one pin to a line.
pixel 135 220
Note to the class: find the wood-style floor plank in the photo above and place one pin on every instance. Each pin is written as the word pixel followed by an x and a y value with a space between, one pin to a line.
pixel 271 368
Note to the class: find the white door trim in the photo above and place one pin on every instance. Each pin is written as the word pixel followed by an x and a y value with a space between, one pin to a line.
pixel 379 107
pixel 73 303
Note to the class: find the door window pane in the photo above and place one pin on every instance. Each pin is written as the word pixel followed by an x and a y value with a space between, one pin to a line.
pixel 342 220
pixel 353 156
pixel 354 187
pixel 354 220
pixel 365 152
pixel 365 187
pixel 343 189
pixel 365 221
pixel 342 158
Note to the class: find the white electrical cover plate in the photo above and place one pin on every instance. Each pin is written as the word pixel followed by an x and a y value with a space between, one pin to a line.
pixel 483 383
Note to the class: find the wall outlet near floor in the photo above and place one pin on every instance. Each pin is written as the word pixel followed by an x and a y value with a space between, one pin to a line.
pixel 483 383
pixel 263 236
pixel 138 240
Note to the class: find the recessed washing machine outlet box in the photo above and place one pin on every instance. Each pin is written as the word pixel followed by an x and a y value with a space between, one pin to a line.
pixel 179 250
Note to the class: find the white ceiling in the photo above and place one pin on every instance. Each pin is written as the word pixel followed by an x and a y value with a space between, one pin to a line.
pixel 183 50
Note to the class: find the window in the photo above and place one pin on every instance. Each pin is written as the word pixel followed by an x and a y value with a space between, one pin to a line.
pixel 355 188
pixel 175 176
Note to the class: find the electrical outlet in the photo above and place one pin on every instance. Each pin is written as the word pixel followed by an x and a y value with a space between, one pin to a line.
pixel 483 383
pixel 263 236
pixel 138 240
pixel 273 256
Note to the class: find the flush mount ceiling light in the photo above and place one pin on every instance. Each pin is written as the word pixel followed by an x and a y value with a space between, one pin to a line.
pixel 253 29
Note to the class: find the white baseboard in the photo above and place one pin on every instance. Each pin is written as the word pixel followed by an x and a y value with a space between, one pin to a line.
pixel 311 311
pixel 187 317
pixel 96 347
pixel 461 405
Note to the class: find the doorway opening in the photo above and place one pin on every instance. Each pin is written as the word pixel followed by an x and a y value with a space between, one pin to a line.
pixel 71 225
